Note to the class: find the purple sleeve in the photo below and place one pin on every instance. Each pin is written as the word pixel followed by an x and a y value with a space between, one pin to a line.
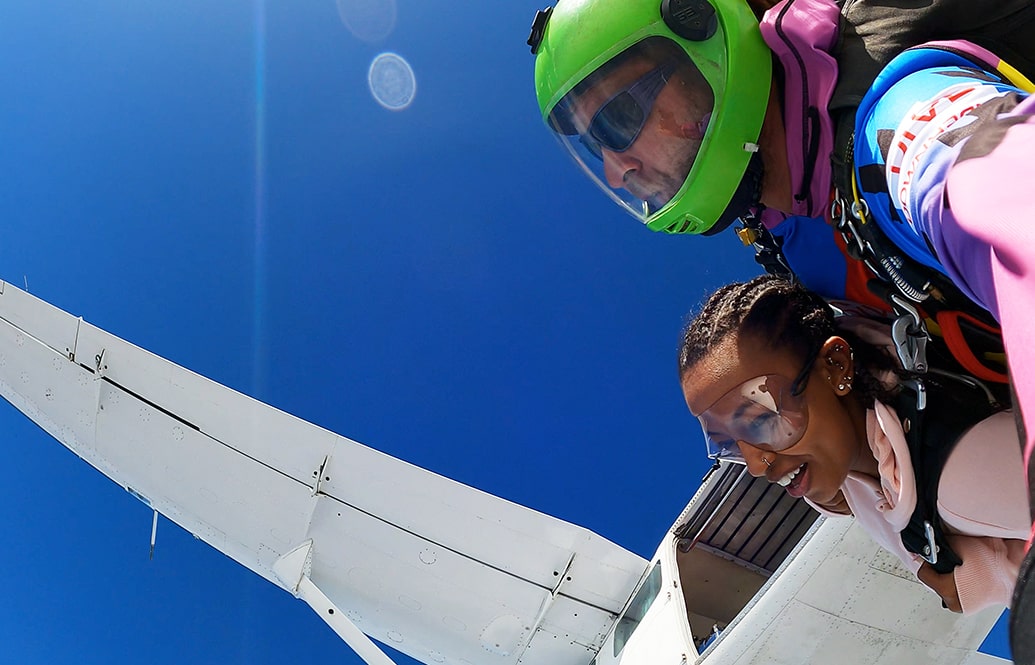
pixel 962 238
pixel 983 220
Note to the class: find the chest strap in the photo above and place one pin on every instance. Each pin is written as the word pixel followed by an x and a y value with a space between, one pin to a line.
pixel 935 413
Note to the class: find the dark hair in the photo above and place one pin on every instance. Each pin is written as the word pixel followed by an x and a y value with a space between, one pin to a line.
pixel 787 316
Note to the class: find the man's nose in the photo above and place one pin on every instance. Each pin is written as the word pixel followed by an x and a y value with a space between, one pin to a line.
pixel 618 166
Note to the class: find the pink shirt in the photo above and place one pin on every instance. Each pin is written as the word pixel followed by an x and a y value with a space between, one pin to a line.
pixel 982 499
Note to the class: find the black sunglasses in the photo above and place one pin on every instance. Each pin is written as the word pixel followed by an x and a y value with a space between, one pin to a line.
pixel 618 122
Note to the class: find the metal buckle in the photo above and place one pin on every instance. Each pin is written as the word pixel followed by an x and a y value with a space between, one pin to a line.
pixel 843 222
pixel 747 235
pixel 920 389
pixel 930 553
pixel 909 336
pixel 860 210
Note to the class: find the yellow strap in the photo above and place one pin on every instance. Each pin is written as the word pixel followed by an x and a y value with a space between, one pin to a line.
pixel 1013 76
pixel 859 207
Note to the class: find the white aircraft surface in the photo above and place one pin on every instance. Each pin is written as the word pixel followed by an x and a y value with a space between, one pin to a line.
pixel 446 573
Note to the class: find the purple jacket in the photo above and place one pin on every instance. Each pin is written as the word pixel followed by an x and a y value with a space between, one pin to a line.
pixel 802 33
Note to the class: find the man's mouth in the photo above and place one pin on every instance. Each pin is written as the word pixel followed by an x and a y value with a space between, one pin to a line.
pixel 633 184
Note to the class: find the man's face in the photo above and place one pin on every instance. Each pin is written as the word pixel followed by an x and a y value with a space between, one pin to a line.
pixel 655 165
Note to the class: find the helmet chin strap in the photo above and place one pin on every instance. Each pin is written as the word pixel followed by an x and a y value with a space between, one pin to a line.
pixel 746 200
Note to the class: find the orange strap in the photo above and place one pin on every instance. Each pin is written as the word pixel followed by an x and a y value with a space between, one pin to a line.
pixel 949 322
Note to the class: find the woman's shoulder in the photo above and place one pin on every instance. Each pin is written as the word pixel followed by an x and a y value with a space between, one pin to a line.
pixel 983 489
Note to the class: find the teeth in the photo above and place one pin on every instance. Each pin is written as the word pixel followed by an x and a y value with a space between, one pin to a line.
pixel 786 480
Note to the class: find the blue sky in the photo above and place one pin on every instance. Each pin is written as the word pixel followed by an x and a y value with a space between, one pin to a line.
pixel 212 180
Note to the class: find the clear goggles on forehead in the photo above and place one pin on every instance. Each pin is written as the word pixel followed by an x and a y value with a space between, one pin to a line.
pixel 767 412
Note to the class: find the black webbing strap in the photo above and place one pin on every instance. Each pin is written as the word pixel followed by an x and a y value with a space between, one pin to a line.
pixel 935 414
pixel 768 251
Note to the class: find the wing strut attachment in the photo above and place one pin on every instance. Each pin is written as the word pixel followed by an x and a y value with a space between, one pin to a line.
pixel 293 571
pixel 154 534
pixel 548 601
pixel 319 474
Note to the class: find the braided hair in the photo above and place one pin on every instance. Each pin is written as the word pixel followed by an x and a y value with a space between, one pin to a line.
pixel 787 316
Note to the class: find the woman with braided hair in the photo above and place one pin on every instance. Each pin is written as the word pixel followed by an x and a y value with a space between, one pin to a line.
pixel 808 401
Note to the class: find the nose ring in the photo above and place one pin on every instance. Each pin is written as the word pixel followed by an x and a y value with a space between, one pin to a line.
pixel 766 462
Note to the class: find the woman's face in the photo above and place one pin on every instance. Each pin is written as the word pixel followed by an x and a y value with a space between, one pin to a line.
pixel 834 439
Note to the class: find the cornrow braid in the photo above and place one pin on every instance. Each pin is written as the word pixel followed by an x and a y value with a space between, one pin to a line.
pixel 787 316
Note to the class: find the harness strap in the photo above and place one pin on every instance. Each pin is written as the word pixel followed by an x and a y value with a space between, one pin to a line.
pixel 768 251
pixel 951 325
pixel 934 292
pixel 843 154
pixel 935 414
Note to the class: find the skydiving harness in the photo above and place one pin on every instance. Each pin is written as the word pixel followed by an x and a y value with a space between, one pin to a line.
pixel 941 399
pixel 967 339
pixel 936 408
pixel 955 378
pixel 946 393
pixel 971 335
pixel 938 405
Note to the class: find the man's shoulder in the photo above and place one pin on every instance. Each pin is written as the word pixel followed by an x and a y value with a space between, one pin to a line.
pixel 873 33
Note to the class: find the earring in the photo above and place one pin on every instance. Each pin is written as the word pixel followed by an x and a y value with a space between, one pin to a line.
pixel 766 462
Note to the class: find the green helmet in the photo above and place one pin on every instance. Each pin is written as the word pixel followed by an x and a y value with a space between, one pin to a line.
pixel 604 72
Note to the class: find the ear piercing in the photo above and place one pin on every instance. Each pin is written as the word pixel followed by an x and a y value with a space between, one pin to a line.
pixel 838 349
pixel 766 462
pixel 846 381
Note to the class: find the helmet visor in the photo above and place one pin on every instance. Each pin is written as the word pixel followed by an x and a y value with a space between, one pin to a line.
pixel 765 412
pixel 637 124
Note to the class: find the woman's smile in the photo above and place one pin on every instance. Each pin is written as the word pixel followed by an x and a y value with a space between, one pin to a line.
pixel 796 482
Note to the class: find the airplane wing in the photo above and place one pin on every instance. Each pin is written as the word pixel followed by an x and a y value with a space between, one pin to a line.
pixel 440 571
